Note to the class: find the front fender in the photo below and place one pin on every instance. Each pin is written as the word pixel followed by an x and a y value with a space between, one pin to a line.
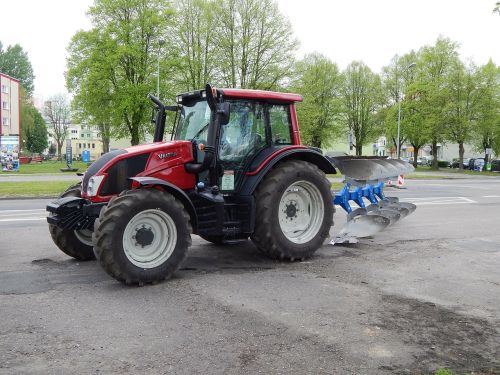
pixel 175 191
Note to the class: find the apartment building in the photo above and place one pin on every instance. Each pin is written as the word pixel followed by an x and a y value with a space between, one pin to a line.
pixel 9 105
pixel 10 128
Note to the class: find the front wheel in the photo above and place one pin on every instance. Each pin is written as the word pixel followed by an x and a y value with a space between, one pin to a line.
pixel 294 211
pixel 142 236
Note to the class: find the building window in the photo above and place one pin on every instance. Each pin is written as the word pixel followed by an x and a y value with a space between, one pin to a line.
pixel 79 145
pixel 5 121
pixel 5 89
pixel 93 145
pixel 5 105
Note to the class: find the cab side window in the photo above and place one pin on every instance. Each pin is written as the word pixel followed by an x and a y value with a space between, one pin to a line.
pixel 281 124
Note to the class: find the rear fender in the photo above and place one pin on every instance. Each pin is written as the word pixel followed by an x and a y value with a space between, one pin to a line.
pixel 310 155
pixel 172 189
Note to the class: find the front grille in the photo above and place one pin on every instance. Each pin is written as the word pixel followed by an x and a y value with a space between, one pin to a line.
pixel 118 174
pixel 97 165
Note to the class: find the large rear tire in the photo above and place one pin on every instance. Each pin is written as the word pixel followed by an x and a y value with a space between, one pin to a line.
pixel 294 211
pixel 75 243
pixel 142 236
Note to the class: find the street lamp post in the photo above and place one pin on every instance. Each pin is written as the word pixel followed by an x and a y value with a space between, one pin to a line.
pixel 399 114
pixel 160 43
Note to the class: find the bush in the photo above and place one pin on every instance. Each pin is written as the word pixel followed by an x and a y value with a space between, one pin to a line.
pixel 443 163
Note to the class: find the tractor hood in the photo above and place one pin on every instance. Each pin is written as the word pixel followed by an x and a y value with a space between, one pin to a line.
pixel 116 167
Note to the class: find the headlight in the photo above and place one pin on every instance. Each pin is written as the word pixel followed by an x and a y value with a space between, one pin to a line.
pixel 93 185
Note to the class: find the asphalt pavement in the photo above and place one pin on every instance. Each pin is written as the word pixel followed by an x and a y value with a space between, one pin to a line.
pixel 423 294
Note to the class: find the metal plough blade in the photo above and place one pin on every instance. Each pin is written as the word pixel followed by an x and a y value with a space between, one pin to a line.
pixel 392 215
pixel 359 227
pixel 357 212
pixel 362 169
pixel 403 211
pixel 409 206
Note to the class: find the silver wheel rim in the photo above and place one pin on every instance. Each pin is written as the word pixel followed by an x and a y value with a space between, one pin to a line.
pixel 301 211
pixel 162 245
pixel 84 236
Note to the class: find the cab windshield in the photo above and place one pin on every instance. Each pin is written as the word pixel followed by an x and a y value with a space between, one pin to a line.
pixel 193 121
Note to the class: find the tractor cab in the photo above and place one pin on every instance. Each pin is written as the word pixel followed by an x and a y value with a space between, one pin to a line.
pixel 256 124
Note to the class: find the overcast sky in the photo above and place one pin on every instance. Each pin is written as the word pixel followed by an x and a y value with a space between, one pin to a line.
pixel 344 30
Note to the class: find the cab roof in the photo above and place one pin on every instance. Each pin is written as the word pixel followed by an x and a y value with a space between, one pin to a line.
pixel 261 95
pixel 243 94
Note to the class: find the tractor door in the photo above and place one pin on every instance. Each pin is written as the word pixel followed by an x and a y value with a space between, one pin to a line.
pixel 240 140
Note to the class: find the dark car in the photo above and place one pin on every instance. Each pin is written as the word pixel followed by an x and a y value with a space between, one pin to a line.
pixel 455 163
pixel 471 164
pixel 475 164
pixel 495 165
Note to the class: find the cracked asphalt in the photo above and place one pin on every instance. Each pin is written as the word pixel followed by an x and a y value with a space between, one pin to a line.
pixel 421 295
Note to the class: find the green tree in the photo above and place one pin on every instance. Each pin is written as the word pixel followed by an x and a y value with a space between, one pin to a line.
pixel 487 129
pixel 87 78
pixel 36 135
pixel 361 95
pixel 255 44
pixel 431 87
pixel 14 62
pixel 194 42
pixel 57 111
pixel 319 83
pixel 461 109
pixel 126 36
pixel 397 77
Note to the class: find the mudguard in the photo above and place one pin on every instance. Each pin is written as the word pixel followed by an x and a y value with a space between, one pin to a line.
pixel 175 191
pixel 311 155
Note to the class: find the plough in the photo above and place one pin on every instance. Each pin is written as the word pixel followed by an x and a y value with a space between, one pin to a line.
pixel 365 178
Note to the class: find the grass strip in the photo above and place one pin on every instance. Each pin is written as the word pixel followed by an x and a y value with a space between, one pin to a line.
pixel 46 167
pixel 30 189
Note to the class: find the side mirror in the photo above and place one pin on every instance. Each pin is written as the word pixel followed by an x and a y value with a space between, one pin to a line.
pixel 223 110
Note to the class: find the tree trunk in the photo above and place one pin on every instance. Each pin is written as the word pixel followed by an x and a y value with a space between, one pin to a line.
pixel 135 138
pixel 434 155
pixel 59 148
pixel 359 149
pixel 316 141
pixel 461 152
pixel 104 129
pixel 415 156
pixel 105 145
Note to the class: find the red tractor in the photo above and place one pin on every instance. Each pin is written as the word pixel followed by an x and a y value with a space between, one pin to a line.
pixel 234 169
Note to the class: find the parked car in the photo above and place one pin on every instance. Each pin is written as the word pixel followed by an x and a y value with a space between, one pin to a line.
pixel 426 160
pixel 495 165
pixel 477 164
pixel 471 164
pixel 455 163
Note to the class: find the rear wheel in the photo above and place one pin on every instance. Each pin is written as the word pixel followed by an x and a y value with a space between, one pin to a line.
pixel 294 211
pixel 75 243
pixel 142 236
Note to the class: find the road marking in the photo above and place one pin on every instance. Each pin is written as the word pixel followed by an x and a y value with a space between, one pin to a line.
pixel 13 211
pixel 491 196
pixel 438 200
pixel 23 219
pixel 11 216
